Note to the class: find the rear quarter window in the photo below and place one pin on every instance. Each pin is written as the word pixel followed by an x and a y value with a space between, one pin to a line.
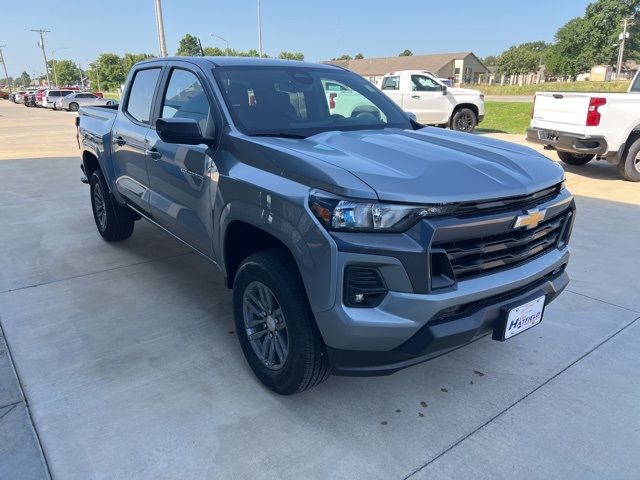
pixel 636 85
pixel 143 87
pixel 391 83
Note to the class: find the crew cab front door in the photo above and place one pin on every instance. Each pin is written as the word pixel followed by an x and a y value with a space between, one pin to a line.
pixel 426 98
pixel 183 178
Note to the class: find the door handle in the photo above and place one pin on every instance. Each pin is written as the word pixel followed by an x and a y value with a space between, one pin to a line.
pixel 153 153
pixel 120 141
pixel 416 97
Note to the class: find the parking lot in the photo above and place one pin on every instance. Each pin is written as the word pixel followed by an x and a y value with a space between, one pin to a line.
pixel 128 366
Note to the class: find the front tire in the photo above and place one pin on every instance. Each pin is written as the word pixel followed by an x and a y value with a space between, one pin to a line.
pixel 629 166
pixel 276 329
pixel 464 120
pixel 114 222
pixel 575 159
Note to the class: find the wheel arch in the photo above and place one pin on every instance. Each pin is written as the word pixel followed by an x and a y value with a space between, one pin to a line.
pixel 471 106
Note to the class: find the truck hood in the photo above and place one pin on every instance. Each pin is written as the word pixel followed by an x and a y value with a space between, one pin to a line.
pixel 431 165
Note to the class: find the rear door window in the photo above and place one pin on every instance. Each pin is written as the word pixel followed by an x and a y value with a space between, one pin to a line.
pixel 143 87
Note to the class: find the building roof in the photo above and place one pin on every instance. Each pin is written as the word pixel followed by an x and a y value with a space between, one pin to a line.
pixel 380 66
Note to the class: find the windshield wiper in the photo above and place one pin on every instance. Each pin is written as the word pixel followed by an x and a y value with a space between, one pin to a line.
pixel 278 134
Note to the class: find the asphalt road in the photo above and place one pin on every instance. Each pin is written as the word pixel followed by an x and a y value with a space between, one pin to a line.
pixel 130 368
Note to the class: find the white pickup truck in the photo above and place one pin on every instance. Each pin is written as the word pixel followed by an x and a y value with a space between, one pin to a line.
pixel 583 126
pixel 432 102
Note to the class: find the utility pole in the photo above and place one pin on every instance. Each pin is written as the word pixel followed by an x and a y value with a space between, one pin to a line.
pixel 621 50
pixel 44 54
pixel 160 26
pixel 6 75
pixel 259 31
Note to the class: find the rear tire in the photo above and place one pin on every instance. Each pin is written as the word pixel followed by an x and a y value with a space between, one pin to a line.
pixel 629 166
pixel 270 304
pixel 73 107
pixel 114 222
pixel 464 120
pixel 575 159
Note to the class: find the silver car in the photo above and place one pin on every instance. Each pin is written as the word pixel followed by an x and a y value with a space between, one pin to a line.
pixel 74 101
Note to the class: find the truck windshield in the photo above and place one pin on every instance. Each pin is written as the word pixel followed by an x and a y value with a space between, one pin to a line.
pixel 636 84
pixel 304 101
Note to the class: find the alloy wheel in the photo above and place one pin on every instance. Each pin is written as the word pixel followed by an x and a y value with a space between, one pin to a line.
pixel 265 325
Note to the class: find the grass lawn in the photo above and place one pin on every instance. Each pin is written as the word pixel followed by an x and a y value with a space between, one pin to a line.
pixel 622 86
pixel 111 95
pixel 506 117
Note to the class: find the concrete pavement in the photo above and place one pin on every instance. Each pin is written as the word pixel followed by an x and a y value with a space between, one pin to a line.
pixel 131 369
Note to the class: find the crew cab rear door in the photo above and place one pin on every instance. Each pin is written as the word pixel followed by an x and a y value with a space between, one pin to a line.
pixel 184 178
pixel 128 136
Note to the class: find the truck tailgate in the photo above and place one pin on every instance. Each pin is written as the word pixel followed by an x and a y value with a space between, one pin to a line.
pixel 561 111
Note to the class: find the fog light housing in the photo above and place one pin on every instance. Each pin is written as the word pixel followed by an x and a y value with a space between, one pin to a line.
pixel 364 287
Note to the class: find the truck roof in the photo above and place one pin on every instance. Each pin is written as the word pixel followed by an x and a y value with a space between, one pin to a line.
pixel 242 62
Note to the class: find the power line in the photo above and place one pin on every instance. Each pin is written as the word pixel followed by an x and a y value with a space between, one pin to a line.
pixel 44 54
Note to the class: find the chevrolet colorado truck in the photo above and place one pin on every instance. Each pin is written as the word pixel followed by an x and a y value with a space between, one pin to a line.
pixel 357 244
pixel 584 126
pixel 432 102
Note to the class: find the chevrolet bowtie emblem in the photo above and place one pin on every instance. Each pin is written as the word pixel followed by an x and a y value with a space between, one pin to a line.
pixel 531 219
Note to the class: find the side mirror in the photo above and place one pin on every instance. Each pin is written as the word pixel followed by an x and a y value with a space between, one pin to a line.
pixel 412 116
pixel 444 90
pixel 180 130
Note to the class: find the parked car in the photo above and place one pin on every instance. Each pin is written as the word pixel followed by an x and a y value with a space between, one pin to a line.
pixel 358 245
pixel 583 126
pixel 74 101
pixel 446 81
pixel 18 97
pixel 51 96
pixel 29 99
pixel 4 94
pixel 433 102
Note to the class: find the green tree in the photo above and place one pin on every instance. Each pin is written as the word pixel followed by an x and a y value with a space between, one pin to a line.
pixel 523 58
pixel 65 72
pixel 188 46
pixel 344 57
pixel 130 59
pixel 107 72
pixel 214 52
pixel 24 79
pixel 593 38
pixel 291 55
pixel 359 56
pixel 490 61
pixel 406 53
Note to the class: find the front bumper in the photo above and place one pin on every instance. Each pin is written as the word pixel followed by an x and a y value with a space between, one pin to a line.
pixel 446 334
pixel 568 142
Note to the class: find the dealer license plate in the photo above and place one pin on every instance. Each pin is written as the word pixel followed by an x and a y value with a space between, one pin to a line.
pixel 523 317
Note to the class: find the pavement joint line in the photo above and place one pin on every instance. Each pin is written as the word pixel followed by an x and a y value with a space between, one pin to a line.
pixel 604 301
pixel 24 400
pixel 13 406
pixel 499 414
pixel 57 280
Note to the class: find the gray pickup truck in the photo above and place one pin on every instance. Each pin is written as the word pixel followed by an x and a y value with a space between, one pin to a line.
pixel 355 244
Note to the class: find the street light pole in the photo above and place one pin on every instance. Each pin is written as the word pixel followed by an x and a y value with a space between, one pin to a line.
pixel 259 30
pixel 44 54
pixel 225 42
pixel 160 27
pixel 6 75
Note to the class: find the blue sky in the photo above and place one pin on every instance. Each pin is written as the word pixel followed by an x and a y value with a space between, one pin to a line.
pixel 320 30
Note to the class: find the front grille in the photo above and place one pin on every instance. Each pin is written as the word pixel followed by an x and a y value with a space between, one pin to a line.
pixel 474 257
pixel 520 202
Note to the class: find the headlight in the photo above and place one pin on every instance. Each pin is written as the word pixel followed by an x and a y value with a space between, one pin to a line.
pixel 367 216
